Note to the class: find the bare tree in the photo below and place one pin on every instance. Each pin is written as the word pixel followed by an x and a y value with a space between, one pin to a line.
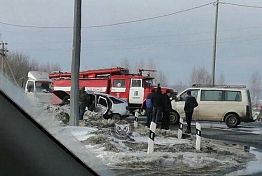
pixel 152 66
pixel 125 63
pixel 19 65
pixel 49 67
pixel 161 79
pixel 180 86
pixel 138 65
pixel 200 76
pixel 255 86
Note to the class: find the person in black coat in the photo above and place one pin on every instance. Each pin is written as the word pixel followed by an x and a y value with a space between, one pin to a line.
pixel 157 101
pixel 190 104
pixel 83 102
pixel 166 110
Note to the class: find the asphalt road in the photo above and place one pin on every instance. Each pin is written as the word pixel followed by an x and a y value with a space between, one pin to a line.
pixel 249 134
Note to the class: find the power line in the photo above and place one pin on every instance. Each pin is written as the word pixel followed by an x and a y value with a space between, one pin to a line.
pixel 241 5
pixel 108 25
pixel 151 18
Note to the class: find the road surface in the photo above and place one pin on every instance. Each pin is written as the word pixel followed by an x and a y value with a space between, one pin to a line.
pixel 247 134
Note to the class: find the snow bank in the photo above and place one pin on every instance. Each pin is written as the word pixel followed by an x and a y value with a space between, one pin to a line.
pixel 172 156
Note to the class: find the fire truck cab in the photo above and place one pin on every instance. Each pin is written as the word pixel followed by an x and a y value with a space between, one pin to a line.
pixel 132 88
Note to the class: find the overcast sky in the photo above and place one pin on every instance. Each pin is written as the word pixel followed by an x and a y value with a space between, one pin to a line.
pixel 175 43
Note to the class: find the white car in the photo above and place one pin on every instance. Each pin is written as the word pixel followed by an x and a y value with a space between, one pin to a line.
pixel 108 105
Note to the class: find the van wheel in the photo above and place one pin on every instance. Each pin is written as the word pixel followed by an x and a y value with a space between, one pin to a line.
pixel 174 117
pixel 232 120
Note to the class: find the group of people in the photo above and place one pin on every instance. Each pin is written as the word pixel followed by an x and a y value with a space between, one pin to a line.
pixel 158 107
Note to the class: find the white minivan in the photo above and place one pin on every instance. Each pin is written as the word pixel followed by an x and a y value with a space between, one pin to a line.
pixel 229 104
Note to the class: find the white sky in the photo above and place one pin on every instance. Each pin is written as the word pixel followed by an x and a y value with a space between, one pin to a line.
pixel 175 43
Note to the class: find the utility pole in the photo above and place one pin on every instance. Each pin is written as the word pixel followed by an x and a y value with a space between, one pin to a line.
pixel 215 46
pixel 3 52
pixel 74 93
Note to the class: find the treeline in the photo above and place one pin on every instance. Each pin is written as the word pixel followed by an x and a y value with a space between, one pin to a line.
pixel 16 66
pixel 160 77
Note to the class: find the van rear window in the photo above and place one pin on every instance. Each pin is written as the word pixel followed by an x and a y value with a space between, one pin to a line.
pixel 233 96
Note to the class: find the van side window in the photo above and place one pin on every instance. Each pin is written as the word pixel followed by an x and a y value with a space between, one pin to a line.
pixel 211 95
pixel 30 86
pixel 233 96
pixel 194 93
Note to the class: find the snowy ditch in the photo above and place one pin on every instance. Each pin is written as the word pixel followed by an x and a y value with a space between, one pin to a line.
pixel 128 156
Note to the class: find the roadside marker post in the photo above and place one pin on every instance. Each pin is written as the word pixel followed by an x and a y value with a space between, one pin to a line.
pixel 180 129
pixel 136 120
pixel 198 136
pixel 151 138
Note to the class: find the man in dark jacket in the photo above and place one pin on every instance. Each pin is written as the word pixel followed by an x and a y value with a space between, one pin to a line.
pixel 166 110
pixel 190 104
pixel 157 101
pixel 83 102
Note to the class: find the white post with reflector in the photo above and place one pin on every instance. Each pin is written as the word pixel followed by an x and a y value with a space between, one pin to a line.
pixel 198 136
pixel 180 129
pixel 151 139
pixel 136 120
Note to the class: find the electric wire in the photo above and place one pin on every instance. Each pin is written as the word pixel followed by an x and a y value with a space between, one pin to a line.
pixel 109 25
pixel 241 5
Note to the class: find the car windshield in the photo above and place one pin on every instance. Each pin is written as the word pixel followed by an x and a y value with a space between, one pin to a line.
pixel 43 86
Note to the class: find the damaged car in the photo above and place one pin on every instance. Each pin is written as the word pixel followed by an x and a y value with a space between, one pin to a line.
pixel 110 106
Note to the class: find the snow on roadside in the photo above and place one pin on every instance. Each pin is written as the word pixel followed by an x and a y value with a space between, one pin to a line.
pixel 171 156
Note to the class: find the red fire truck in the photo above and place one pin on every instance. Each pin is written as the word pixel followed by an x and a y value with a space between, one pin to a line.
pixel 117 81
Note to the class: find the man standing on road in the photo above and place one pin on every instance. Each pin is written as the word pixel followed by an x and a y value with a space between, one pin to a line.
pixel 190 104
pixel 157 100
pixel 83 102
pixel 148 106
pixel 166 111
